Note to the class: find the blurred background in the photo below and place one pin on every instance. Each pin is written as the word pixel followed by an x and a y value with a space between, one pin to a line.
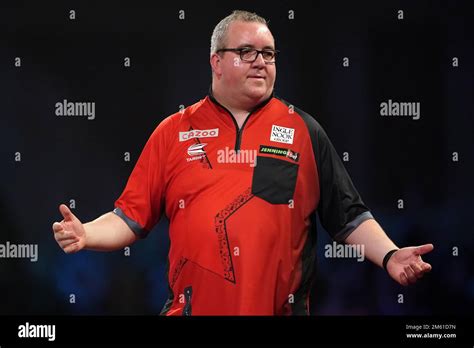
pixel 407 59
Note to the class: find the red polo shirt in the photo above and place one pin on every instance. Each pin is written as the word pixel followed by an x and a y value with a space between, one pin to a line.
pixel 241 206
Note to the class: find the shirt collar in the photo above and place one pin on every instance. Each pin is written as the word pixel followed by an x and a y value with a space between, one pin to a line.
pixel 258 106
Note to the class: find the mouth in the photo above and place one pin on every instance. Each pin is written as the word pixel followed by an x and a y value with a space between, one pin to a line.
pixel 258 77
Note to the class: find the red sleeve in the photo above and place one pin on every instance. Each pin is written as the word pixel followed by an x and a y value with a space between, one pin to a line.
pixel 142 202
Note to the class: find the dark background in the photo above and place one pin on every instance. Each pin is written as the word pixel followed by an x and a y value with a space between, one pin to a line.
pixel 66 158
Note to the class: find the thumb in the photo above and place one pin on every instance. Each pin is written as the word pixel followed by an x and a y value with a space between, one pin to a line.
pixel 66 212
pixel 424 249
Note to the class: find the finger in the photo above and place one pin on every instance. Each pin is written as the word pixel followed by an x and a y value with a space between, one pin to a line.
pixel 70 248
pixel 417 270
pixel 66 212
pixel 65 236
pixel 66 243
pixel 403 279
pixel 424 249
pixel 426 267
pixel 57 227
pixel 410 274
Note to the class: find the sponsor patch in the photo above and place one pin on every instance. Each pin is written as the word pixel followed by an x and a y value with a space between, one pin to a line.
pixel 197 149
pixel 295 156
pixel 282 134
pixel 198 133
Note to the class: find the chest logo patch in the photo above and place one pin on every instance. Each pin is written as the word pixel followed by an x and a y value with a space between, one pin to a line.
pixel 295 156
pixel 282 134
pixel 198 133
pixel 196 149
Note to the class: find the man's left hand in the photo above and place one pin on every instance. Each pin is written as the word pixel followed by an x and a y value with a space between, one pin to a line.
pixel 406 266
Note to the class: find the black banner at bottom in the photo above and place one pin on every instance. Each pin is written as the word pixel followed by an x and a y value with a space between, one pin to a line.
pixel 137 330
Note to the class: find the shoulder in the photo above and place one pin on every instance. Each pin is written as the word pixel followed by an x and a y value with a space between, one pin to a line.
pixel 172 123
pixel 315 130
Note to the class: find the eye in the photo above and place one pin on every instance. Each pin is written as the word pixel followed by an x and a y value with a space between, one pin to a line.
pixel 248 53
pixel 247 49
pixel 268 55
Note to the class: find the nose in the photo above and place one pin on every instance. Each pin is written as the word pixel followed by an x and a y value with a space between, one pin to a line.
pixel 259 62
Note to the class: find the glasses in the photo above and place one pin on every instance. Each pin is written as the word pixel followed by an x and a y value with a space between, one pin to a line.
pixel 250 55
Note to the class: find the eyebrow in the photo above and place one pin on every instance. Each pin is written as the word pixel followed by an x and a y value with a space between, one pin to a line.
pixel 252 46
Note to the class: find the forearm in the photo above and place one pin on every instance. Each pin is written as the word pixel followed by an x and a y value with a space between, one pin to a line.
pixel 372 236
pixel 108 233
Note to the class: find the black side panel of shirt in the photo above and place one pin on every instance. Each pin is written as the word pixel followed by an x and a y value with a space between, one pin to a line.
pixel 340 208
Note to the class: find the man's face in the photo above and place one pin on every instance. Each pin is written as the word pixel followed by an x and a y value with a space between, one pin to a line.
pixel 245 80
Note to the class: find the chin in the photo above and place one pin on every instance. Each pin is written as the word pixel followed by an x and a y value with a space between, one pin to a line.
pixel 257 93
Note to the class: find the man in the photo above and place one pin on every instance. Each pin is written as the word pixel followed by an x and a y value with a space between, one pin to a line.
pixel 242 228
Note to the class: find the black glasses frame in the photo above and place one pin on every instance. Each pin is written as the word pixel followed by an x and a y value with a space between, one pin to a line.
pixel 241 50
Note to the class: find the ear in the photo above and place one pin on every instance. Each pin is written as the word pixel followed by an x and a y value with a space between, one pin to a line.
pixel 216 61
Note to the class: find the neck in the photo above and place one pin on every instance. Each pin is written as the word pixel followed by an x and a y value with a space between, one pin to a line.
pixel 239 110
pixel 229 103
pixel 242 105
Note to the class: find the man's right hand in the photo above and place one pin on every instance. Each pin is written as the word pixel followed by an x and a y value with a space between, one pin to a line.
pixel 69 233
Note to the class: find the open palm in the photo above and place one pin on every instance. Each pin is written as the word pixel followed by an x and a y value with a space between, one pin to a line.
pixel 406 266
